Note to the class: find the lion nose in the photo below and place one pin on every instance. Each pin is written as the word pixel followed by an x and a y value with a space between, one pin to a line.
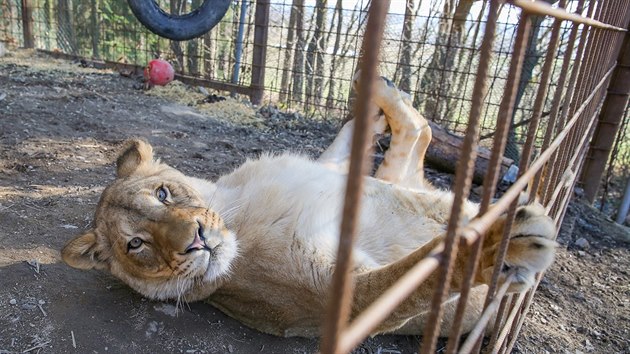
pixel 212 239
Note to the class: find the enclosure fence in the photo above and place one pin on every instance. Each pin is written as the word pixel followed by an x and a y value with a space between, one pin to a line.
pixel 553 172
pixel 523 78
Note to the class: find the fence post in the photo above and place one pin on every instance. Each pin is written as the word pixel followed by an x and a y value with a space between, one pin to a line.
pixel 27 24
pixel 261 26
pixel 608 123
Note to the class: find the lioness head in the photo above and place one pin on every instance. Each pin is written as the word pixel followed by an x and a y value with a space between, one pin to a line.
pixel 154 231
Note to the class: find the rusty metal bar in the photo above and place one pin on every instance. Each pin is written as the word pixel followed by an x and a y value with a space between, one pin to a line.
pixel 609 121
pixel 579 113
pixel 340 300
pixel 561 120
pixel 486 316
pixel 480 225
pixel 464 176
pixel 541 95
pixel 556 102
pixel 591 55
pixel 542 8
pixel 463 180
pixel 503 123
pixel 508 322
pixel 259 52
pixel 27 24
pixel 190 80
pixel 365 323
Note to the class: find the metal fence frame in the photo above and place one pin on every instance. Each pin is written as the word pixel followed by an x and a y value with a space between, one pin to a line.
pixel 552 175
pixel 554 172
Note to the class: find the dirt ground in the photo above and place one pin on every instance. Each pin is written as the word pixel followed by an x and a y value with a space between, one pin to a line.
pixel 61 125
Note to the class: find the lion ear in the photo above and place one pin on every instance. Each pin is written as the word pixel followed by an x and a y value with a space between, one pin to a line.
pixel 81 252
pixel 136 153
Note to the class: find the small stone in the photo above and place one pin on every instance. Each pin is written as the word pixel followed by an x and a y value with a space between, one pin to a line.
pixel 582 243
pixel 13 302
pixel 230 348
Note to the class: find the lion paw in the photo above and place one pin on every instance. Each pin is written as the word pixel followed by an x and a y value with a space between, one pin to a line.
pixel 531 249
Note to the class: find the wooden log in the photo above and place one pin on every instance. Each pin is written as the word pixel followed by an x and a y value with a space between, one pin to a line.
pixel 445 149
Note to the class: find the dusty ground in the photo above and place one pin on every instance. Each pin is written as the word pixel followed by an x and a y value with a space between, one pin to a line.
pixel 61 126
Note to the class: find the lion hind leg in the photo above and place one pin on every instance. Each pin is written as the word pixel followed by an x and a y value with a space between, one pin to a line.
pixel 411 135
pixel 337 155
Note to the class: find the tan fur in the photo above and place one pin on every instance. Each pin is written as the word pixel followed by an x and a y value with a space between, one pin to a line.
pixel 269 232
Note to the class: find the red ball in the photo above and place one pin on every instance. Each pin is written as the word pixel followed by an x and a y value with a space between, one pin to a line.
pixel 159 72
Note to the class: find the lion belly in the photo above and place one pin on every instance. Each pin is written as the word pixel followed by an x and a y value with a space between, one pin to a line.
pixel 287 226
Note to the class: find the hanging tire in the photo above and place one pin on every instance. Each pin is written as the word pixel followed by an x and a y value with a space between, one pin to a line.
pixel 179 27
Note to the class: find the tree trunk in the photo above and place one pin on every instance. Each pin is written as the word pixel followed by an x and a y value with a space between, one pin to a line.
pixel 285 88
pixel 314 56
pixel 404 65
pixel 95 28
pixel 175 45
pixel 208 55
pixel 298 57
pixel 436 80
pixel 333 65
pixel 193 48
pixel 66 36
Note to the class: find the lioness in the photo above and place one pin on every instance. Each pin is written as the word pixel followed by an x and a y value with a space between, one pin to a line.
pixel 260 243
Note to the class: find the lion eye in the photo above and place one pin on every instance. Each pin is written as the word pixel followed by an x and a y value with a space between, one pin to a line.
pixel 161 194
pixel 135 243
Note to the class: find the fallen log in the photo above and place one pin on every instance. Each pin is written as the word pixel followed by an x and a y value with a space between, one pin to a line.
pixel 445 149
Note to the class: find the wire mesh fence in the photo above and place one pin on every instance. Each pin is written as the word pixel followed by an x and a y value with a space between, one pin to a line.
pixel 430 49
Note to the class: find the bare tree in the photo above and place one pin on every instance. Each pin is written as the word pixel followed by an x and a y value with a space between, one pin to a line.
pixel 208 54
pixel 94 28
pixel 436 79
pixel 314 65
pixel 176 8
pixel 298 57
pixel 333 65
pixel 403 68
pixel 288 52
pixel 193 48
pixel 66 36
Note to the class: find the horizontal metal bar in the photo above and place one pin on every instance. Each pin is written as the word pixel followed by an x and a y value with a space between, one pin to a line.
pixel 190 80
pixel 365 323
pixel 542 8
pixel 480 225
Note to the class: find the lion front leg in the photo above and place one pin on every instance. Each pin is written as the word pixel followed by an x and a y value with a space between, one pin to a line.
pixel 531 248
pixel 411 135
pixel 530 251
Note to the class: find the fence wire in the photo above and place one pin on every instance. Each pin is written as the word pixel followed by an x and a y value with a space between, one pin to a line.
pixel 430 49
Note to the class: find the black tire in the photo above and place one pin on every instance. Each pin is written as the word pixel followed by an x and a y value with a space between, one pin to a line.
pixel 179 28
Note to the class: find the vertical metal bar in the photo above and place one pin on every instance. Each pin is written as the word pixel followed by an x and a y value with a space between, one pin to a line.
pixel 479 92
pixel 238 50
pixel 463 179
pixel 340 300
pixel 27 24
pixel 505 112
pixel 609 122
pixel 261 29
pixel 553 169
pixel 556 103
